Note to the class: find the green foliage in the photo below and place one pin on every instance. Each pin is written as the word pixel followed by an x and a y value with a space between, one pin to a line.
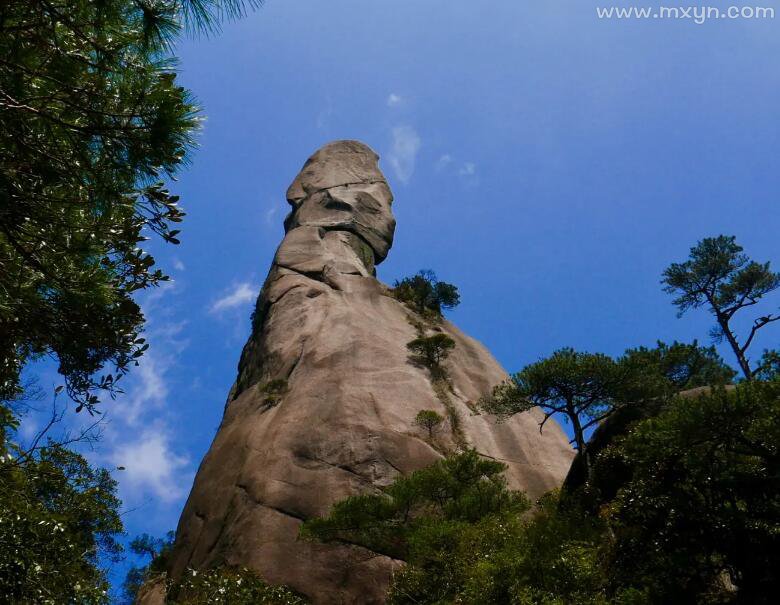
pixel 158 551
pixel 92 121
pixel 426 294
pixel 583 387
pixel 717 275
pixel 225 586
pixel 769 366
pixel 431 351
pixel 428 420
pixel 468 539
pixel 695 519
pixel 58 516
pixel 274 391
pixel 702 499
pixel 458 490
pixel 678 366
pixel 587 388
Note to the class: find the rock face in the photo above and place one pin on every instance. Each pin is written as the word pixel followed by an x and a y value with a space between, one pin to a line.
pixel 325 398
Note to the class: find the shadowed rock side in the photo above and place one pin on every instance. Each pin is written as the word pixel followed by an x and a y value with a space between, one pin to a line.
pixel 324 403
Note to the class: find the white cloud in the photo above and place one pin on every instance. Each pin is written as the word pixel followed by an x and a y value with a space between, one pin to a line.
pixel 241 294
pixel 394 99
pixel 403 154
pixel 150 467
pixel 443 162
pixel 271 213
pixel 139 429
pixel 468 169
pixel 178 265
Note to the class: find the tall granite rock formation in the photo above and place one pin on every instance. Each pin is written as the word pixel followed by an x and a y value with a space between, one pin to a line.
pixel 325 398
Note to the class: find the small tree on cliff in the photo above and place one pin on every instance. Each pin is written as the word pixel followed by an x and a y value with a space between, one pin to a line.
pixel 717 275
pixel 431 351
pixel 428 420
pixel 425 293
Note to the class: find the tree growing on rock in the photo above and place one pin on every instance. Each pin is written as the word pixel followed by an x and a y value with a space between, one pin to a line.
pixel 720 277
pixel 428 420
pixel 426 294
pixel 431 351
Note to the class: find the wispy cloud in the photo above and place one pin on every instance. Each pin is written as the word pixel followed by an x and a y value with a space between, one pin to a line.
pixel 444 161
pixel 150 467
pixel 394 99
pixel 241 294
pixel 178 265
pixel 468 169
pixel 403 153
pixel 139 433
pixel 270 214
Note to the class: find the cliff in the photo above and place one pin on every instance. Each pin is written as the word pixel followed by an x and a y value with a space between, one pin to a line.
pixel 325 398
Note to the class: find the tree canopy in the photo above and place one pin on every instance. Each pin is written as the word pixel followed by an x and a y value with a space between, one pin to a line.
pixel 92 122
pixel 693 520
pixel 59 518
pixel 426 294
pixel 720 277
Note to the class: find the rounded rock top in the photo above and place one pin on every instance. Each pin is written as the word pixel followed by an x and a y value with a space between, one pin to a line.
pixel 336 164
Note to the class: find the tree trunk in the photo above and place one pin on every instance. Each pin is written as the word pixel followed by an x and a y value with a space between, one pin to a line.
pixel 741 359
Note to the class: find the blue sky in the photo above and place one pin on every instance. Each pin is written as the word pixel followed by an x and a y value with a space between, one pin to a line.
pixel 549 163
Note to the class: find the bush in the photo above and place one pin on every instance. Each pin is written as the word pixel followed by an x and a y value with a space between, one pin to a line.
pixel 428 420
pixel 274 390
pixel 431 351
pixel 426 294
pixel 226 586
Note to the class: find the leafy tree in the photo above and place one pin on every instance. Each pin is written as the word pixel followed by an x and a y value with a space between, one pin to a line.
pixel 91 122
pixel 461 489
pixel 717 275
pixel 426 294
pixel 428 420
pixel 769 368
pixel 431 351
pixel 157 550
pixel 679 366
pixel 583 387
pixel 587 388
pixel 58 518
pixel 468 539
pixel 225 586
pixel 701 501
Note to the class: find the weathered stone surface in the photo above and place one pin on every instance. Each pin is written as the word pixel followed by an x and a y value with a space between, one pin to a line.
pixel 345 425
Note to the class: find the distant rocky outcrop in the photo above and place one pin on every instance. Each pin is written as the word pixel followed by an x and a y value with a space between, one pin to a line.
pixel 326 396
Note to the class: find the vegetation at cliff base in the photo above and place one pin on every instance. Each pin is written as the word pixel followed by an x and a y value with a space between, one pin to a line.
pixel 59 521
pixel 674 496
pixel 686 511
pixel 225 586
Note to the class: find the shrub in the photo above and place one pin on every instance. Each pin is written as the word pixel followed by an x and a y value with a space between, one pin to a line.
pixel 428 420
pixel 426 294
pixel 431 351
pixel 226 586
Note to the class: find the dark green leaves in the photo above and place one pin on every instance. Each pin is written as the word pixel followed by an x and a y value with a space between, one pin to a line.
pixel 426 294
pixel 717 275
pixel 92 120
